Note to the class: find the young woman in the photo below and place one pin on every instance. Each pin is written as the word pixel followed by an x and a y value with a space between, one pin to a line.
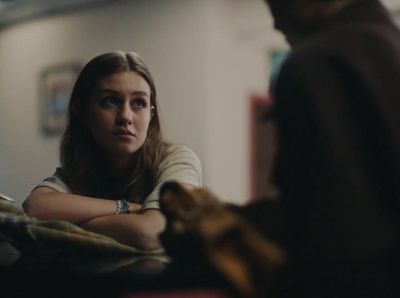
pixel 113 157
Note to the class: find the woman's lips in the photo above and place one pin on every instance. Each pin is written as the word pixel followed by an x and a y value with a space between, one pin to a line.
pixel 124 134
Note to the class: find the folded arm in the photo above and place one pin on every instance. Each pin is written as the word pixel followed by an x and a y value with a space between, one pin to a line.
pixel 98 215
pixel 140 230
pixel 49 204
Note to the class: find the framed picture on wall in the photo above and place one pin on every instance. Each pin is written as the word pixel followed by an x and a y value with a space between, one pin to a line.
pixel 262 147
pixel 56 83
pixel 276 58
pixel 263 143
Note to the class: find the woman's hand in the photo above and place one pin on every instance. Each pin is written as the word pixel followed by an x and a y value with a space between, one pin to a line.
pixel 134 207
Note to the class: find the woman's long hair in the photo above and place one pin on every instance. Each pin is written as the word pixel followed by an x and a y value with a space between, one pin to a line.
pixel 81 165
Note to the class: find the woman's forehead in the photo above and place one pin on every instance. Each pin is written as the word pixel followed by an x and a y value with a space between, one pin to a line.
pixel 125 81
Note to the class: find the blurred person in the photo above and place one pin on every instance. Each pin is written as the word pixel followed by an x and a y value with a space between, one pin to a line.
pixel 113 156
pixel 337 220
pixel 337 112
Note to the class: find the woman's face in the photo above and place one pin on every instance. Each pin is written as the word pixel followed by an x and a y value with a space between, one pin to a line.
pixel 119 114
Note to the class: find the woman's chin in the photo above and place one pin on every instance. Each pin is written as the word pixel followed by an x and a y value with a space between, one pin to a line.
pixel 122 152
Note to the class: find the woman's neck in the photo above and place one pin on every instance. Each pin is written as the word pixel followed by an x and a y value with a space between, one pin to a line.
pixel 119 168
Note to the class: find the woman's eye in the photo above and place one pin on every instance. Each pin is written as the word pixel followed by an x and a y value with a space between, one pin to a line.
pixel 109 101
pixel 139 103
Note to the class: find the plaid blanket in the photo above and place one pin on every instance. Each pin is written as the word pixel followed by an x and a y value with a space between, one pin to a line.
pixel 33 236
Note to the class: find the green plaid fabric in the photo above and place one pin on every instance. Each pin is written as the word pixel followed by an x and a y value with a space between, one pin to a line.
pixel 30 235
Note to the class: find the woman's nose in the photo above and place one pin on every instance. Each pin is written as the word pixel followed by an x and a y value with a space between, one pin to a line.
pixel 125 114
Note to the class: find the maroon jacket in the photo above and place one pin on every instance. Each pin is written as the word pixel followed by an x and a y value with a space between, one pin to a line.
pixel 338 117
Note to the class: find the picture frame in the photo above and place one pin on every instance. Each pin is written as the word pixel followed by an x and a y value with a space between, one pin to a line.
pixel 262 147
pixel 263 139
pixel 56 83
pixel 276 58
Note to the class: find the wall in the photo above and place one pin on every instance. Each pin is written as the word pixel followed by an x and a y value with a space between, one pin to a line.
pixel 239 37
pixel 207 57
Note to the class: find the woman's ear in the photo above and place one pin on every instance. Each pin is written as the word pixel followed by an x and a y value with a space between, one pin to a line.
pixel 152 111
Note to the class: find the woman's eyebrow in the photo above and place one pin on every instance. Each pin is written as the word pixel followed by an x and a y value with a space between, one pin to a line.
pixel 107 90
pixel 136 93
pixel 140 93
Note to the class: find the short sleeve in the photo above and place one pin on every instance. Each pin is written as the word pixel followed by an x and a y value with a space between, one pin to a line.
pixel 181 165
pixel 55 182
